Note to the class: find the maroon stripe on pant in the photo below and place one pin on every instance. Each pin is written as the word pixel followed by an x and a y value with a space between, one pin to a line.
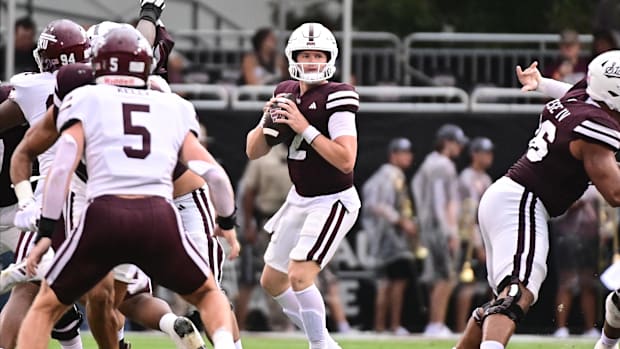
pixel 204 216
pixel 516 267
pixel 332 236
pixel 319 241
pixel 530 254
pixel 210 215
pixel 18 248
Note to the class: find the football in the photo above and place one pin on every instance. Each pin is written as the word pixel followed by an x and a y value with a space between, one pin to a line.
pixel 276 133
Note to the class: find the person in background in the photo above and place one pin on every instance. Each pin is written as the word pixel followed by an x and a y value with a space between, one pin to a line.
pixel 603 41
pixel 576 235
pixel 435 190
pixel 264 65
pixel 265 184
pixel 569 67
pixel 473 182
pixel 388 214
pixel 25 42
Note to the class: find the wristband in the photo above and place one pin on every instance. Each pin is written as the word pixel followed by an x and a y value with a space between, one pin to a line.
pixel 310 133
pixel 150 13
pixel 46 228
pixel 23 191
pixel 227 223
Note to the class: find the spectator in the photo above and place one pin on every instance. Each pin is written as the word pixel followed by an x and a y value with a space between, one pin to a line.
pixel 473 182
pixel 176 67
pixel 265 184
pixel 576 235
pixel 435 189
pixel 388 214
pixel 569 67
pixel 263 66
pixel 25 43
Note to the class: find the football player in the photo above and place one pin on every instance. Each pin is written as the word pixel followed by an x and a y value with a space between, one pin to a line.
pixel 532 80
pixel 574 145
pixel 128 206
pixel 61 42
pixel 323 204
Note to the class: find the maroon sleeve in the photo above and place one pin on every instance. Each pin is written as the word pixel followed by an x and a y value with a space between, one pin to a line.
pixel 162 47
pixel 342 97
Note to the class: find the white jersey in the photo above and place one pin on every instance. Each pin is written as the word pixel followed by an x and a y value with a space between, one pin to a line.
pixel 132 137
pixel 34 92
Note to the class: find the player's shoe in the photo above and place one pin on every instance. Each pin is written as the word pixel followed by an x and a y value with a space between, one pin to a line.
pixel 13 275
pixel 600 345
pixel 187 336
pixel 124 345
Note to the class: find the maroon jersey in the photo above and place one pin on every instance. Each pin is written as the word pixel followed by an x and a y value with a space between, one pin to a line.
pixel 311 174
pixel 548 169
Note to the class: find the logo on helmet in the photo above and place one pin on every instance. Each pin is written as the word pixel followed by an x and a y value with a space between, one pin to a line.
pixel 612 71
pixel 44 38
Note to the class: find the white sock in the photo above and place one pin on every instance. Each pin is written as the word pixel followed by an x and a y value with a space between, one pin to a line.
pixel 120 335
pixel 606 341
pixel 223 339
pixel 290 306
pixel 312 311
pixel 491 345
pixel 238 344
pixel 73 343
pixel 166 324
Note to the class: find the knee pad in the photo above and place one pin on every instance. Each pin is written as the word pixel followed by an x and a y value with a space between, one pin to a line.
pixel 612 311
pixel 68 326
pixel 507 306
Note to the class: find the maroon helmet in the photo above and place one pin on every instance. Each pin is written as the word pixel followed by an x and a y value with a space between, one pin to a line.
pixel 123 57
pixel 61 42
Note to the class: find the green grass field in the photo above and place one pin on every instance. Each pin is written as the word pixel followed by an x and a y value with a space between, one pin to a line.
pixel 257 341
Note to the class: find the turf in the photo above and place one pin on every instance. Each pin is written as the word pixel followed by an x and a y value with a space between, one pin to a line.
pixel 251 341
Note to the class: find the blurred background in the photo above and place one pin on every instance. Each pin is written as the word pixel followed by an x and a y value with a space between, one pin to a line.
pixel 417 64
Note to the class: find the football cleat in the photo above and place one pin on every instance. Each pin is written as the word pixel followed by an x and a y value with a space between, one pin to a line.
pixel 187 336
pixel 13 275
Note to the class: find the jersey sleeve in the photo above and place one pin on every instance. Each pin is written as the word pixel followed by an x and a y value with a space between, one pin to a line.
pixel 600 130
pixel 161 49
pixel 343 98
pixel 190 118
pixel 75 107
pixel 29 93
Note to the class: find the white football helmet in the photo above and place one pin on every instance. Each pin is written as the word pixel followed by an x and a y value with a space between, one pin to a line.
pixel 604 79
pixel 311 37
pixel 96 32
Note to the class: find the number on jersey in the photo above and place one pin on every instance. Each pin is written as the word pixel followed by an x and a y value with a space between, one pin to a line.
pixel 130 129
pixel 539 145
pixel 294 151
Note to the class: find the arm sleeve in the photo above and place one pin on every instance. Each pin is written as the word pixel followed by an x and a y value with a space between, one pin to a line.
pixel 342 123
pixel 343 99
pixel 58 177
pixel 553 88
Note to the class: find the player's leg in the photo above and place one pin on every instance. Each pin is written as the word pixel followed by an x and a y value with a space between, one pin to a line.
pixel 611 328
pixel 154 313
pixel 37 325
pixel 381 304
pixel 14 312
pixel 197 216
pixel 100 312
pixel 324 228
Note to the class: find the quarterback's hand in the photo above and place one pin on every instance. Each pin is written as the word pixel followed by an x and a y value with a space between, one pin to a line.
pixel 160 4
pixel 27 216
pixel 530 77
pixel 292 116
pixel 231 238
pixel 34 257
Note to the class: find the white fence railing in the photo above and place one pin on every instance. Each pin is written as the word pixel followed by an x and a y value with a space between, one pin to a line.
pixel 377 99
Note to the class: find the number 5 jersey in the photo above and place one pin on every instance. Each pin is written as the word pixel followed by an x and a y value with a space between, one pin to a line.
pixel 548 168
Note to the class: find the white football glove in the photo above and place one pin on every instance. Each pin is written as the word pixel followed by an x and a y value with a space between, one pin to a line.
pixel 161 4
pixel 27 216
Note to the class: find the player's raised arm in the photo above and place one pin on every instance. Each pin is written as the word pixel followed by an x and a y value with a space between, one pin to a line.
pixel 255 143
pixel 532 80
pixel 39 137
pixel 602 168
pixel 201 162
pixel 150 11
